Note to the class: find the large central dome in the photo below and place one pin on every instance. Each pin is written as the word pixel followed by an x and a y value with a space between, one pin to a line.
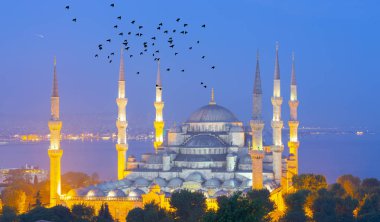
pixel 212 113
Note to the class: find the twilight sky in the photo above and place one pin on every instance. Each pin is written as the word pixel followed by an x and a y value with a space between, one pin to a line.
pixel 336 44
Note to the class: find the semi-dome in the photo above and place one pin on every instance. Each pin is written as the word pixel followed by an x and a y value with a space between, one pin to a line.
pixel 175 183
pixel 212 183
pixel 231 184
pixel 196 177
pixel 116 193
pixel 141 182
pixel 212 113
pixel 160 181
pixel 204 140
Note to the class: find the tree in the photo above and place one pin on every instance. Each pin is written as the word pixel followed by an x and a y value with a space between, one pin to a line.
pixel 104 214
pixel 295 207
pixel 56 214
pixel 14 198
pixel 83 213
pixel 73 180
pixel 38 202
pixel 370 210
pixel 188 206
pixel 310 182
pixel 255 206
pixel 8 215
pixel 369 186
pixel 136 215
pixel 350 184
pixel 151 213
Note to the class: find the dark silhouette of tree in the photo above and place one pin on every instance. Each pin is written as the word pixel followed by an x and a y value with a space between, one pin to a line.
pixel 295 207
pixel 188 206
pixel 56 214
pixel 83 213
pixel 8 214
pixel 104 214
pixel 255 206
pixel 38 202
pixel 370 210
pixel 151 213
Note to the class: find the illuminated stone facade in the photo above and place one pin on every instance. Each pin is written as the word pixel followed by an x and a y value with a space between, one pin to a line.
pixel 159 106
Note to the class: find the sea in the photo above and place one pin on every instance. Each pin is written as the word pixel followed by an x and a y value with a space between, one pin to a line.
pixel 330 155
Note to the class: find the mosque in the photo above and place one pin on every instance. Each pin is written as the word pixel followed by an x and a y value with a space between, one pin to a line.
pixel 212 152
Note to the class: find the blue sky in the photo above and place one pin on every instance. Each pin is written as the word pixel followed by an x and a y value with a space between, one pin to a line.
pixel 336 44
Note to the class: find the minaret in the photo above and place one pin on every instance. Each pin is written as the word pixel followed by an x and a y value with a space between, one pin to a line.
pixel 257 126
pixel 55 152
pixel 121 122
pixel 277 123
pixel 159 105
pixel 293 123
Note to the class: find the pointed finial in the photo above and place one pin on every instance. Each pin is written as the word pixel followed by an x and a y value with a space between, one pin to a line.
pixel 257 84
pixel 212 102
pixel 55 80
pixel 121 69
pixel 277 65
pixel 158 81
pixel 293 80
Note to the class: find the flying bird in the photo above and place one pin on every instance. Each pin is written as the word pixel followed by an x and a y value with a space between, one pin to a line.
pixel 133 21
pixel 96 55
pixel 176 53
pixel 204 26
pixel 182 70
pixel 130 56
pixel 168 69
pixel 140 27
pixel 120 33
pixel 115 26
pixel 112 53
pixel 110 60
pixel 205 86
pixel 174 30
pixel 201 83
pixel 159 27
pixel 166 31
pixel 112 5
pixel 129 33
pixel 203 57
pixel 184 25
pixel 153 38
pixel 190 48
pixel 171 46
pixel 213 67
pixel 160 24
pixel 119 17
pixel 108 40
pixel 137 73
pixel 74 19
pixel 178 19
pixel 67 7
pixel 198 42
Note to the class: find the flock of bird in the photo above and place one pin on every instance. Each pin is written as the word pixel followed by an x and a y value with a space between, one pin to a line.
pixel 148 45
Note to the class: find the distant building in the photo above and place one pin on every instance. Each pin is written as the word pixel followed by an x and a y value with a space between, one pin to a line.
pixel 29 173
pixel 212 152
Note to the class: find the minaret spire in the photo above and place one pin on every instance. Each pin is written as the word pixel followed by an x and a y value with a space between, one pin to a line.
pixel 121 68
pixel 159 106
pixel 257 126
pixel 212 101
pixel 121 122
pixel 277 123
pixel 55 80
pixel 54 151
pixel 293 123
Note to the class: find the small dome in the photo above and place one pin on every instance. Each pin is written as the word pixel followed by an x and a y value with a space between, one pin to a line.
pixel 175 183
pixel 212 113
pixel 116 193
pixel 160 181
pixel 204 140
pixel 196 177
pixel 155 188
pixel 135 194
pixel 246 159
pixel 212 183
pixel 73 193
pixel 141 182
pixel 221 193
pixel 230 184
pixel 95 193
pixel 126 182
